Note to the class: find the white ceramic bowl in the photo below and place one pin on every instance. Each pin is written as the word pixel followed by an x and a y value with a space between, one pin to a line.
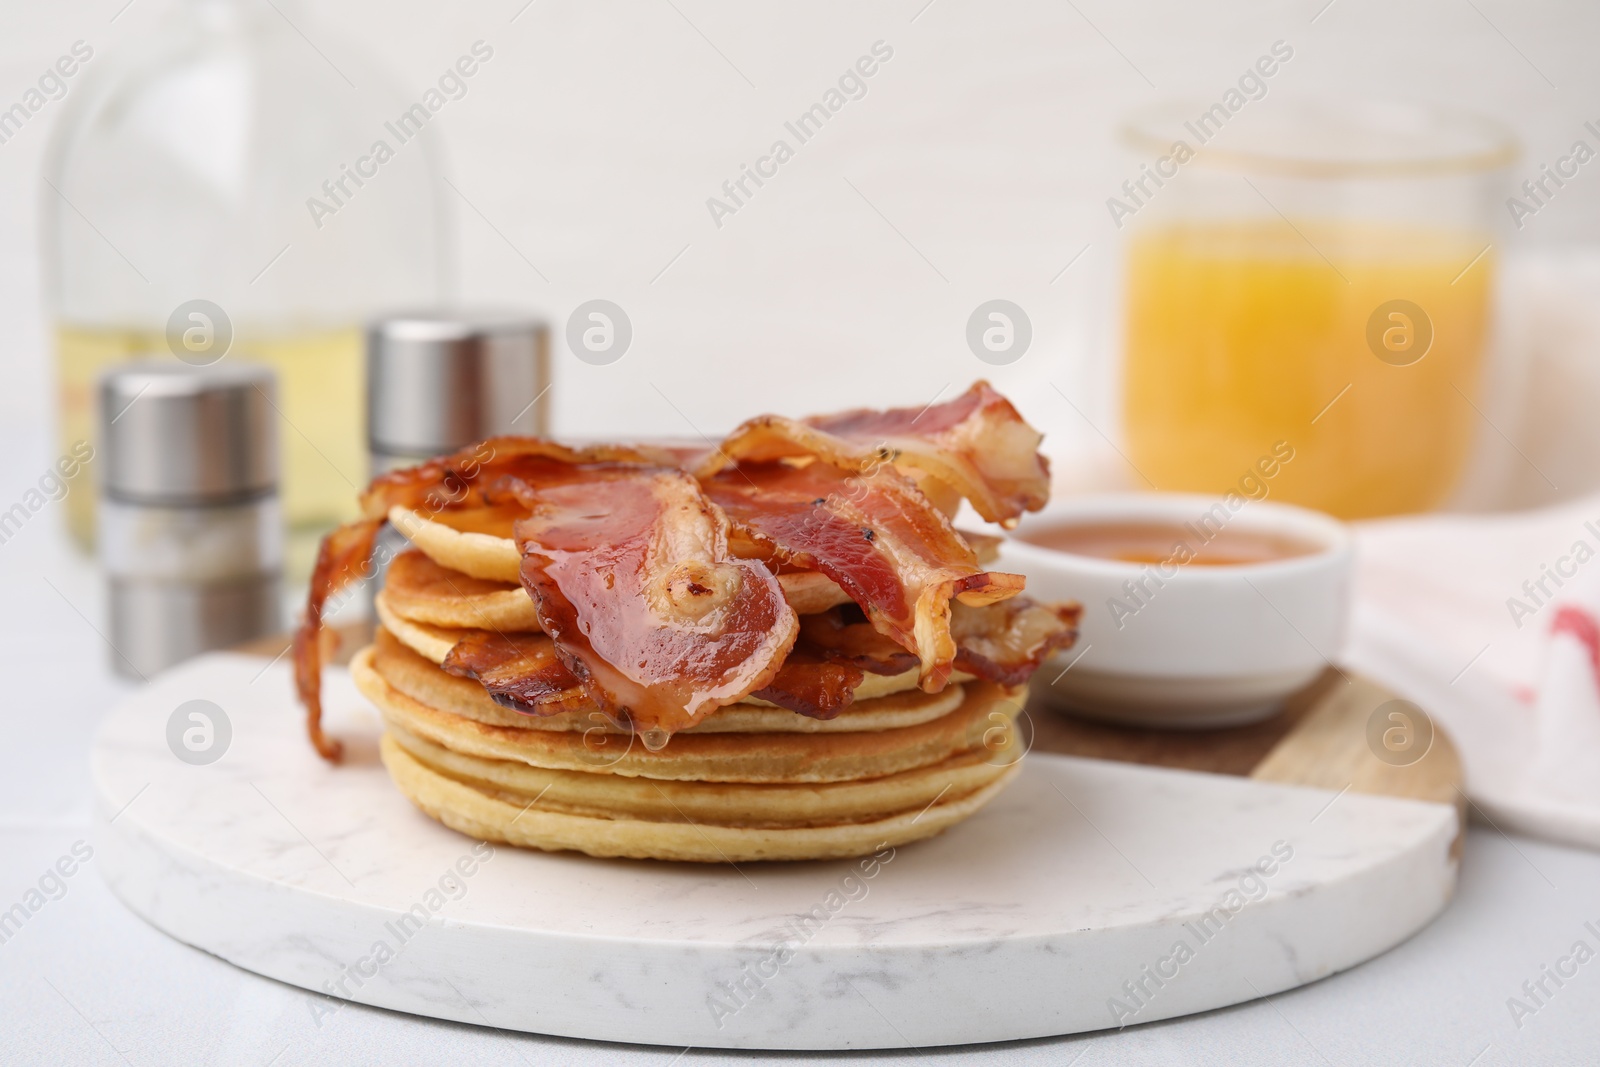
pixel 1188 645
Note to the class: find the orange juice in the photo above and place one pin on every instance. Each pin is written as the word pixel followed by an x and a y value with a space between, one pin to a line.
pixel 1243 334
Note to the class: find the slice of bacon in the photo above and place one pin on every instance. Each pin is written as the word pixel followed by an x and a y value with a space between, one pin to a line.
pixel 484 474
pixel 344 556
pixel 843 635
pixel 520 671
pixel 631 576
pixel 1006 642
pixel 834 653
pixel 976 445
pixel 876 535
pixel 1003 642
pixel 487 473
pixel 811 683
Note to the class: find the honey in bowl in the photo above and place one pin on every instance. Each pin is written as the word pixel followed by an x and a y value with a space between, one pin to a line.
pixel 1190 544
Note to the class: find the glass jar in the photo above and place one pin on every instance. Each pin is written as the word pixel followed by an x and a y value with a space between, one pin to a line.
pixel 180 183
pixel 1307 290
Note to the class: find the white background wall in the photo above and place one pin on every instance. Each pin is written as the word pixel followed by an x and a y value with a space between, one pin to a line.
pixel 595 136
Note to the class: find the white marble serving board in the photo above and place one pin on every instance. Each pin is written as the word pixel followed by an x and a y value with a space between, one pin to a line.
pixel 1058 909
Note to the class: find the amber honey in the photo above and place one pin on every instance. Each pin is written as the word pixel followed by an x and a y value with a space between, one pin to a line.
pixel 1194 544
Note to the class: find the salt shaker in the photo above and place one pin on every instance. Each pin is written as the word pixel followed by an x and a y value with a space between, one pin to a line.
pixel 191 530
pixel 438 381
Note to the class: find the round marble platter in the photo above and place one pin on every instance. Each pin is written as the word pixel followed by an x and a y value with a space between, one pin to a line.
pixel 1091 894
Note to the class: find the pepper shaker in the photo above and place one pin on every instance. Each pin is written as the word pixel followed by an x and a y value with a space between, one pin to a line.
pixel 438 381
pixel 191 526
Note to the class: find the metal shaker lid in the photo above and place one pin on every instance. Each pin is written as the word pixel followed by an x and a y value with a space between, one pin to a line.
pixel 179 434
pixel 439 380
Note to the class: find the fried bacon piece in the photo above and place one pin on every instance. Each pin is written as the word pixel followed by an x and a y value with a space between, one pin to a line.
pixel 475 476
pixel 976 445
pixel 836 650
pixel 1006 642
pixel 1003 642
pixel 520 671
pixel 876 535
pixel 631 576
pixel 481 474
pixel 843 635
pixel 344 556
pixel 810 683
pixel 833 655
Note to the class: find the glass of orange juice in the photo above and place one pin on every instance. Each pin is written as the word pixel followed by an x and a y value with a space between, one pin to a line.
pixel 1310 280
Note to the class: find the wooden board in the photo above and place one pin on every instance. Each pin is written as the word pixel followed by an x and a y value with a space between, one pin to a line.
pixel 1319 740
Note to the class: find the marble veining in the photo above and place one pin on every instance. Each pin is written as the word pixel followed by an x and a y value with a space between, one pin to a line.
pixel 1063 899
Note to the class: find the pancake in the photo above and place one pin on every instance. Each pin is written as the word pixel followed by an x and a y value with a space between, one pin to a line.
pixel 711 757
pixel 428 640
pixel 421 590
pixel 488 816
pixel 713 803
pixel 675 580
pixel 434 642
pixel 422 680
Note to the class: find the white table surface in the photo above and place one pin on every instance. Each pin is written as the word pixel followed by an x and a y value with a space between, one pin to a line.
pixel 84 981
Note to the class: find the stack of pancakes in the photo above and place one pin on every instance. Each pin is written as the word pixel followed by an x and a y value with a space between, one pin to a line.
pixel 750 782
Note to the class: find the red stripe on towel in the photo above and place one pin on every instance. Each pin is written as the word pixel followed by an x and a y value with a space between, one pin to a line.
pixel 1582 625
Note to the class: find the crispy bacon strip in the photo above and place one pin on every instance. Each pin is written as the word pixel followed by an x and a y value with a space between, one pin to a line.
pixel 521 671
pixel 1006 642
pixel 876 535
pixel 835 651
pixel 484 474
pixel 344 555
pixel 631 576
pixel 812 684
pixel 475 476
pixel 843 635
pixel 976 445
